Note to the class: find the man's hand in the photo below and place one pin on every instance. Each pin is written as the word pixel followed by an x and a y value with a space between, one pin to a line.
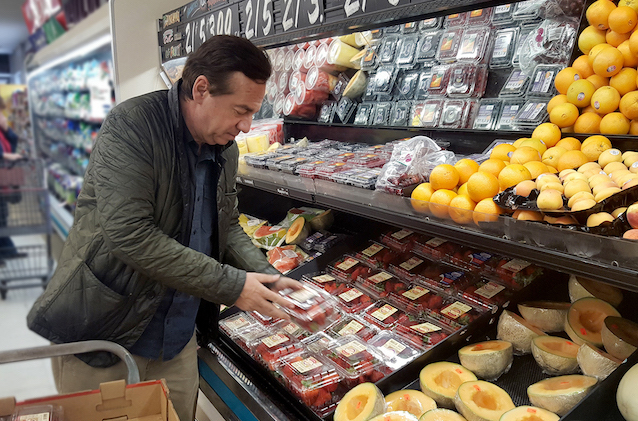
pixel 257 297
pixel 9 156
pixel 4 123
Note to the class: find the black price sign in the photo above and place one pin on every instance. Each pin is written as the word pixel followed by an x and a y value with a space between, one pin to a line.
pixel 258 19
pixel 224 21
pixel 300 13
pixel 362 7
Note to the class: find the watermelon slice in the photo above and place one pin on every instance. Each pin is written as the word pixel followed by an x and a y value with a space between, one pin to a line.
pixel 269 237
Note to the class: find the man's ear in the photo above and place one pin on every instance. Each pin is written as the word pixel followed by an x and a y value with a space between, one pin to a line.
pixel 200 88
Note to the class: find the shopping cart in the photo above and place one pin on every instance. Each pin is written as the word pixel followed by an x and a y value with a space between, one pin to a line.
pixel 24 212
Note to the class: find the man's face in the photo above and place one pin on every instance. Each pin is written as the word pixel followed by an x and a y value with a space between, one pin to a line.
pixel 217 120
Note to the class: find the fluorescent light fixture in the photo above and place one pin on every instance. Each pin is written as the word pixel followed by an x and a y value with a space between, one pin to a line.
pixel 77 53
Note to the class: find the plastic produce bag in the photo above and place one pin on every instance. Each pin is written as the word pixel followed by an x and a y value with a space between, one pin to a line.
pixel 286 258
pixel 406 167
pixel 549 43
pixel 438 158
pixel 250 224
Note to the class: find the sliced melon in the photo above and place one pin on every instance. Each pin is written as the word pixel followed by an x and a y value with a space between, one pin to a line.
pixel 298 231
pixel 395 416
pixel 323 221
pixel 357 85
pixel 488 360
pixel 482 401
pixel 620 337
pixel 529 413
pixel 514 329
pixel 362 403
pixel 440 381
pixel 586 318
pixel 596 363
pixel 555 355
pixel 582 287
pixel 441 414
pixel 548 316
pixel 560 394
pixel 413 401
pixel 626 394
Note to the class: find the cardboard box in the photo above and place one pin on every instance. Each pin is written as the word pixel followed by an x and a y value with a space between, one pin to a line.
pixel 114 401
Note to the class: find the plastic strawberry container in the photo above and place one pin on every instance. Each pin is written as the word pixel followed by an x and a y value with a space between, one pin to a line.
pixel 455 312
pixel 383 314
pixel 517 273
pixel 313 379
pixel 382 284
pixel 347 268
pixel 446 278
pixel 377 255
pixel 487 293
pixel 435 247
pixel 350 325
pixel 293 329
pixel 263 319
pixel 408 266
pixel 475 261
pixel 416 298
pixel 313 309
pixel 248 336
pixel 322 279
pixel 368 161
pixel 401 240
pixel 317 342
pixel 423 332
pixel 309 170
pixel 352 299
pixel 269 350
pixel 396 350
pixel 449 45
pixel 326 171
pixel 357 361
pixel 234 324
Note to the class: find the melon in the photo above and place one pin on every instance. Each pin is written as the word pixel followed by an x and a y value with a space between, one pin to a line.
pixel 298 231
pixel 626 394
pixel 362 403
pixel 357 85
pixel 586 318
pixel 555 355
pixel 413 401
pixel 514 329
pixel 441 414
pixel 440 381
pixel 620 337
pixel 395 416
pixel 482 401
pixel 323 221
pixel 560 394
pixel 582 287
pixel 596 363
pixel 269 237
pixel 487 360
pixel 548 316
pixel 529 413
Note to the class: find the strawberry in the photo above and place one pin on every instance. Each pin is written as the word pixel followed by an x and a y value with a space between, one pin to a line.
pixel 375 376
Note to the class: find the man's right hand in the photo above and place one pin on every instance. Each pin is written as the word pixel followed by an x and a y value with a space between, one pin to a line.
pixel 9 156
pixel 257 297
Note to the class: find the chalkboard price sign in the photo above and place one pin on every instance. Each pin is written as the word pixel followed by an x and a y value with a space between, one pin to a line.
pixel 258 18
pixel 224 21
pixel 354 8
pixel 300 13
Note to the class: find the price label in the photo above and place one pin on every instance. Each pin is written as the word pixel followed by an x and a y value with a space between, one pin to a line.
pixel 224 21
pixel 258 18
pixel 360 7
pixel 300 13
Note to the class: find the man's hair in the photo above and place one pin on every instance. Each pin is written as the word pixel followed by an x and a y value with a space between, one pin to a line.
pixel 218 58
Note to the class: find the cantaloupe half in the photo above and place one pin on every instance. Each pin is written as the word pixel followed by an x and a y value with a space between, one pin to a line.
pixel 323 221
pixel 596 363
pixel 482 401
pixel 626 394
pixel 560 394
pixel 441 414
pixel 395 416
pixel 529 413
pixel 582 287
pixel 441 380
pixel 514 329
pixel 298 231
pixel 555 355
pixel 362 403
pixel 413 401
pixel 620 337
pixel 488 360
pixel 586 318
pixel 548 316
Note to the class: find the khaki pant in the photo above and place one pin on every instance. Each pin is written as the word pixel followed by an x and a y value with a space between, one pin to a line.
pixel 181 375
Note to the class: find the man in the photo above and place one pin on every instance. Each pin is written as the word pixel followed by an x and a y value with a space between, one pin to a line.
pixel 148 241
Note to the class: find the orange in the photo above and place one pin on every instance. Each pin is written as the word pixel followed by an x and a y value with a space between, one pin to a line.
pixel 552 155
pixel 444 176
pixel 571 160
pixel 629 105
pixel 569 144
pixel 594 52
pixel 439 202
pixel 556 100
pixel 633 127
pixel 537 144
pixel 502 151
pixel 614 123
pixel 598 13
pixel 580 92
pixel 622 19
pixel 593 146
pixel 525 154
pixel 614 38
pixel 536 168
pixel 421 196
pixel 527 215
pixel 608 62
pixel 512 175
pixel 633 42
pixel 589 38
pixel 631 3
pixel 587 123
pixel 598 81
pixel 564 78
pixel 461 208
pixel 625 81
pixel 520 140
pixel 466 167
pixel 588 109
pixel 462 189
pixel 549 133
pixel 630 59
pixel 486 211
pixel 482 185
pixel 564 115
pixel 493 166
pixel 582 66
pixel 605 100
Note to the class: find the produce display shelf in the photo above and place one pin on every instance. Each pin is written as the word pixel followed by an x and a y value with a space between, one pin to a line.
pixel 62 219
pixel 607 259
